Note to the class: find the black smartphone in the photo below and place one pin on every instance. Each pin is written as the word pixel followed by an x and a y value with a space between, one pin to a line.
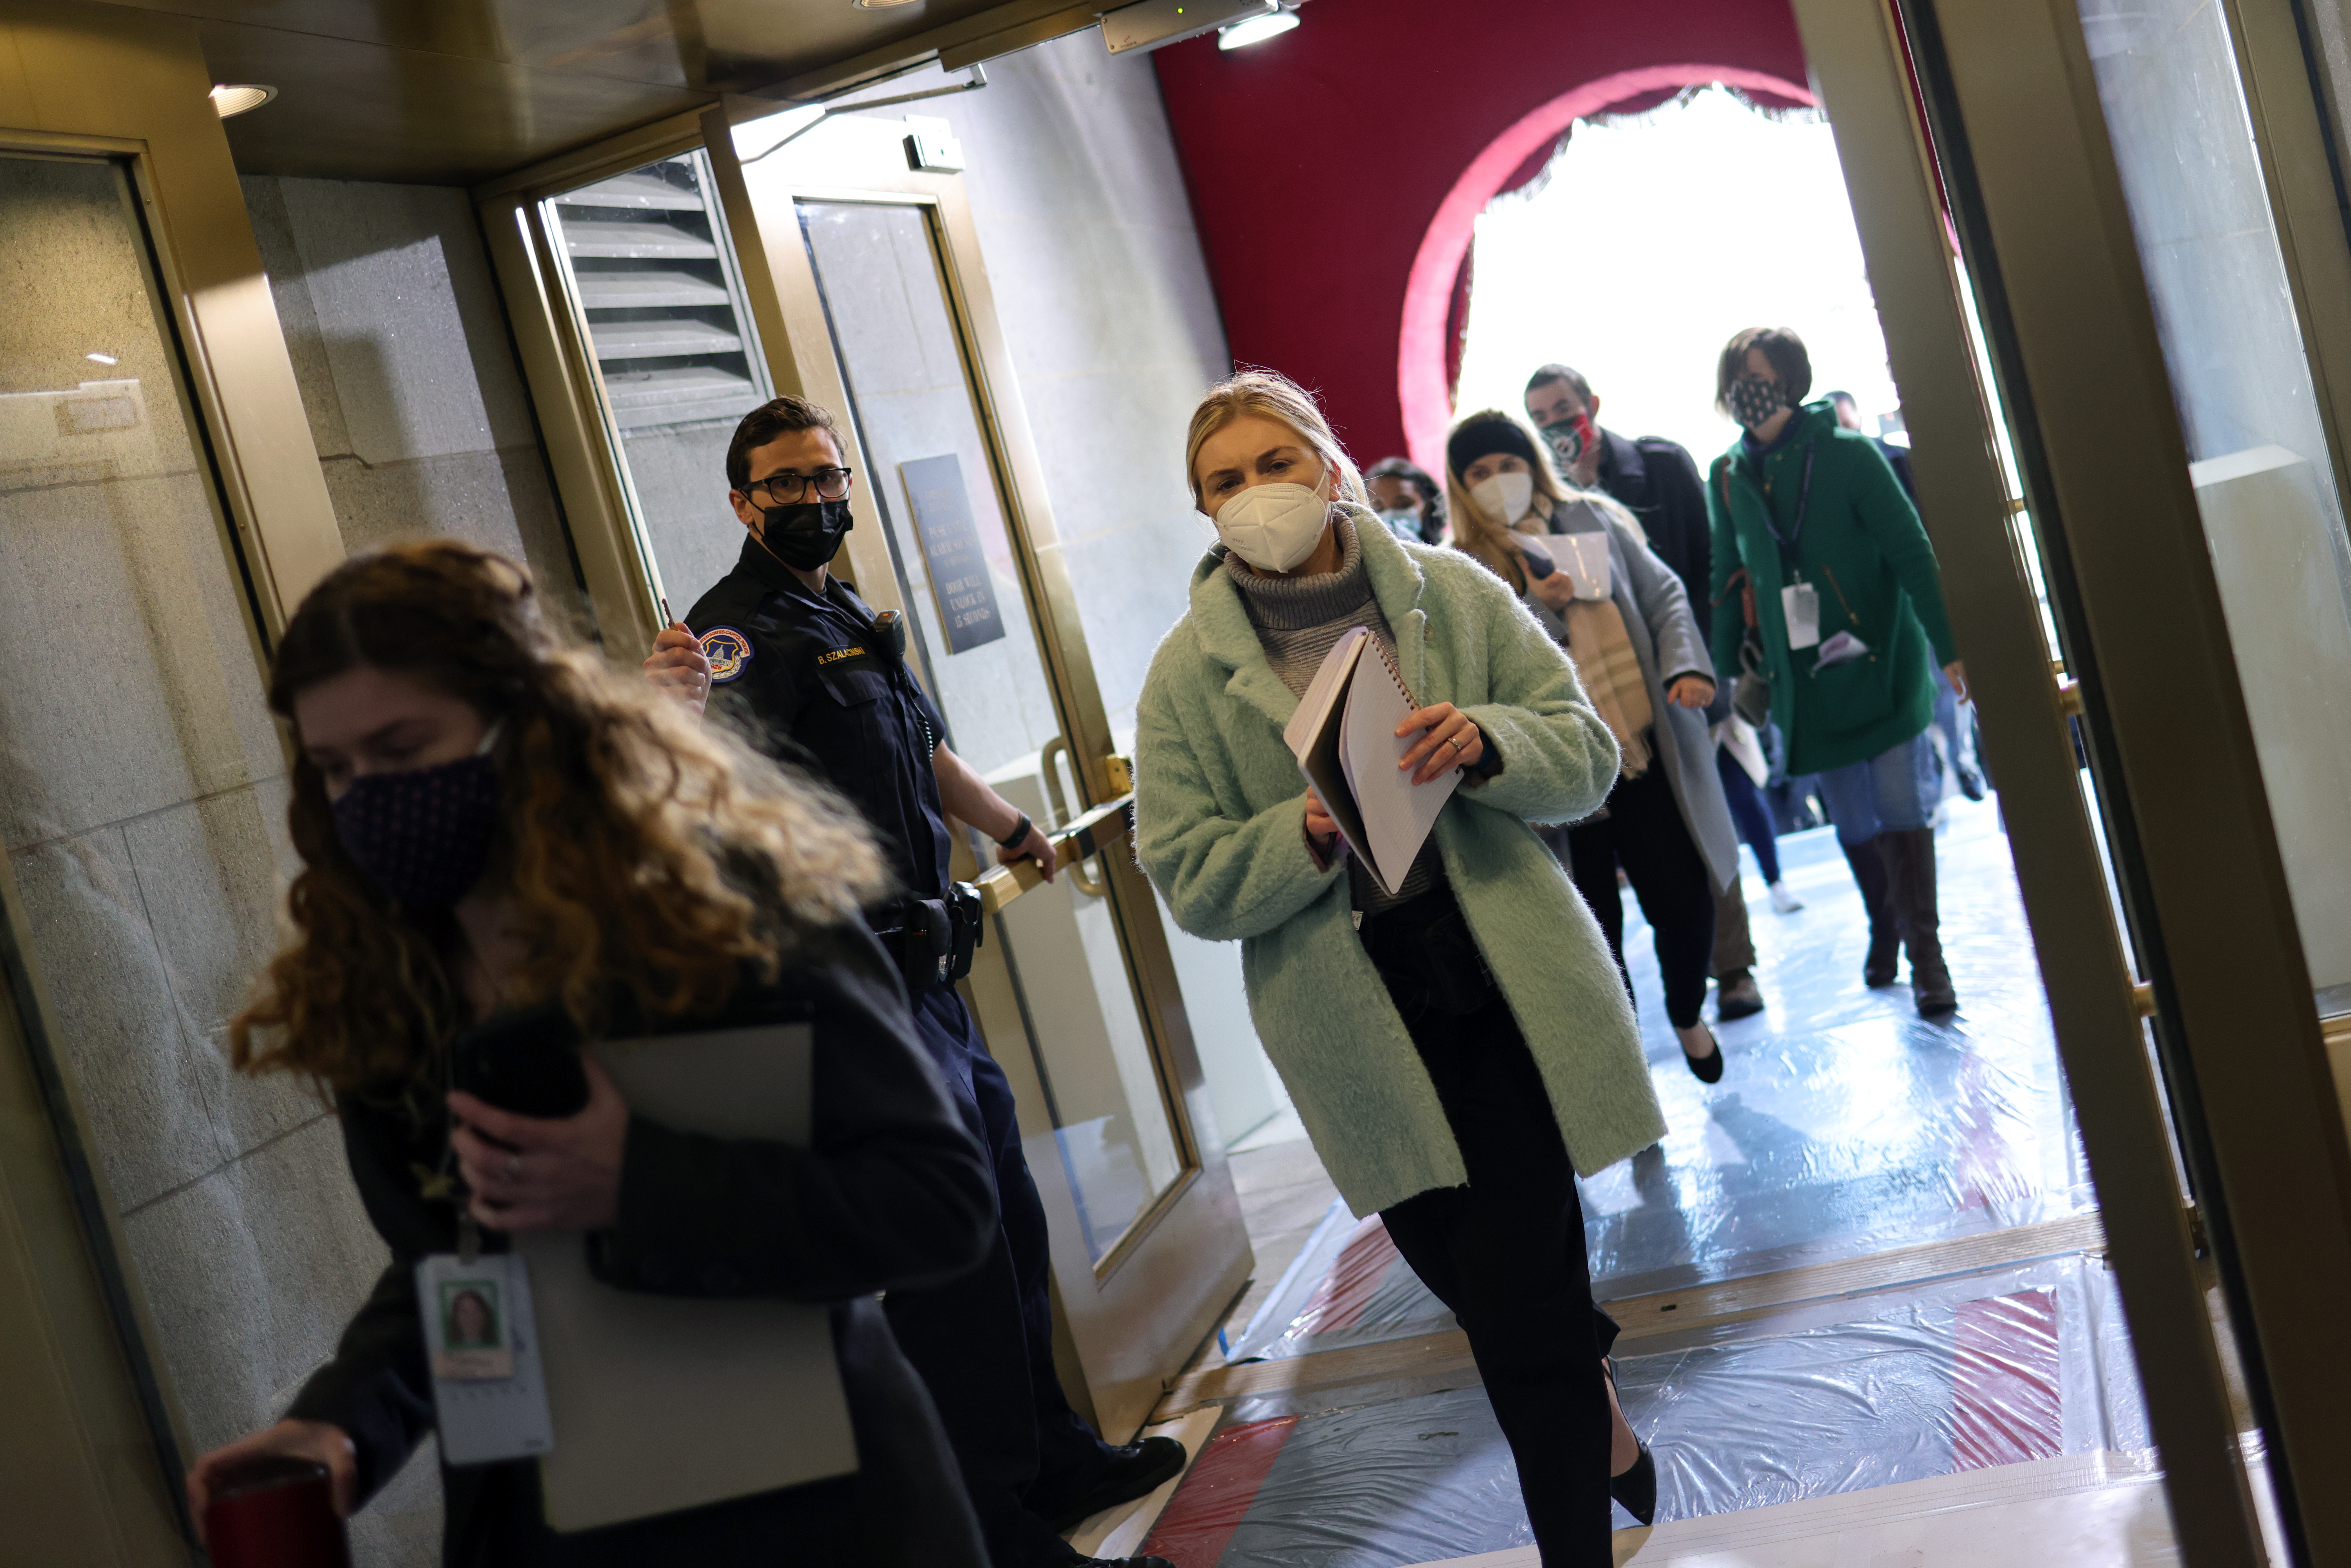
pixel 528 1070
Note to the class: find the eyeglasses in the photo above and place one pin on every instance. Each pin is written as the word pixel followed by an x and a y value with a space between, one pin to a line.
pixel 791 489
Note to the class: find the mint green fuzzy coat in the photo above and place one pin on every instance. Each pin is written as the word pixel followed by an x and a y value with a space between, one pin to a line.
pixel 1220 814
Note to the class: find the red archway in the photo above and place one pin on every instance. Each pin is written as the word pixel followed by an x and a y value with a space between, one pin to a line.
pixel 1318 161
pixel 1426 400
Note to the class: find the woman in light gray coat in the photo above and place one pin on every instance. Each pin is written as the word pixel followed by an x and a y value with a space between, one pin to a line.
pixel 1459 1049
pixel 1644 663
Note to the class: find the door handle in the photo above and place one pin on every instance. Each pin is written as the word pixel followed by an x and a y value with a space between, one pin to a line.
pixel 1092 884
pixel 1097 831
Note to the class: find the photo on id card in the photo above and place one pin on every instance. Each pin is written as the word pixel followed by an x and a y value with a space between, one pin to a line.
pixel 473 1343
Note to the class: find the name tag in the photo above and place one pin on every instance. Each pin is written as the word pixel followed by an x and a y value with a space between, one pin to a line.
pixel 1801 603
pixel 481 1340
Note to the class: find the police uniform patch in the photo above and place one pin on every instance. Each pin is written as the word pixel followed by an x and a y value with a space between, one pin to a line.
pixel 729 653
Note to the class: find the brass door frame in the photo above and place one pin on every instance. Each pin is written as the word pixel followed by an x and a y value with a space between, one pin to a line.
pixel 560 372
pixel 103 1444
pixel 98 78
pixel 1857 54
pixel 2039 207
pixel 1154 1275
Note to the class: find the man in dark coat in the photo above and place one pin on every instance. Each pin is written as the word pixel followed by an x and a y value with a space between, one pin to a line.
pixel 1657 481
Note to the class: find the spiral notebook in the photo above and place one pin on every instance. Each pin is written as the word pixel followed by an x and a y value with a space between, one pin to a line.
pixel 1343 736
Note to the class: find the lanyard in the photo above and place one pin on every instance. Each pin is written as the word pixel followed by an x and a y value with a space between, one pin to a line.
pixel 1804 503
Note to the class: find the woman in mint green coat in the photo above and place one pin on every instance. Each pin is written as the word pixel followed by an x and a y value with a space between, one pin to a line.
pixel 1459 1049
pixel 1818 547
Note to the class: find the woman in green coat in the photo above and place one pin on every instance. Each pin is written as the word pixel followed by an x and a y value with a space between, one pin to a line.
pixel 1821 569
pixel 1461 1048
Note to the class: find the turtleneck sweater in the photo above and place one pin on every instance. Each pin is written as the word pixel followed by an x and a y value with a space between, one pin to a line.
pixel 1298 621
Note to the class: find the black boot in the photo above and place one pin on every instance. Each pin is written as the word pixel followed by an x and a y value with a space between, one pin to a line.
pixel 1910 860
pixel 1867 859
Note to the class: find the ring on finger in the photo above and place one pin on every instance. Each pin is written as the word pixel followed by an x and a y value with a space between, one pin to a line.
pixel 1457 743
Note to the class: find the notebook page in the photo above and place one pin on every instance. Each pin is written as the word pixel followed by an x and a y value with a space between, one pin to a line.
pixel 1323 764
pixel 1397 813
pixel 1323 691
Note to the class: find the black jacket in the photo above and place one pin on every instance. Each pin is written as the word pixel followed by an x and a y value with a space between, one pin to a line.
pixel 1658 483
pixel 890 1194
pixel 802 675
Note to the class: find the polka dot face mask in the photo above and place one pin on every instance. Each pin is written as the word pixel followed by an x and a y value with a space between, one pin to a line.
pixel 423 835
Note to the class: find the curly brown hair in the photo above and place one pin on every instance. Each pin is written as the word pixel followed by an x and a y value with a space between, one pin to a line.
pixel 639 848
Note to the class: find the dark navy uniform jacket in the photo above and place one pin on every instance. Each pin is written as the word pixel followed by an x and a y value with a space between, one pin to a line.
pixel 801 674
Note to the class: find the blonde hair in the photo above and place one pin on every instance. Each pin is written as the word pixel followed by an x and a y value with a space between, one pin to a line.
pixel 1488 540
pixel 1271 395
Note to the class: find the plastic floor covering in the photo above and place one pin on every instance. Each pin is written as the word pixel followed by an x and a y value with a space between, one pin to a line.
pixel 1845 1127
pixel 1844 1124
pixel 2007 1367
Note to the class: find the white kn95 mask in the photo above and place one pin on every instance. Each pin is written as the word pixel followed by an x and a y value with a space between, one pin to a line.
pixel 1273 527
pixel 1508 497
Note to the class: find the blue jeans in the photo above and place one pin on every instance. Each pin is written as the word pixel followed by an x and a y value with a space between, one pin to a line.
pixel 1892 792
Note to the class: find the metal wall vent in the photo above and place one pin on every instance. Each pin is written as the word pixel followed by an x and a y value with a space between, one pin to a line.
pixel 665 310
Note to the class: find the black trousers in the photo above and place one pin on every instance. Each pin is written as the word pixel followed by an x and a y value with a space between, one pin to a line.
pixel 1643 832
pixel 984 1342
pixel 1506 1252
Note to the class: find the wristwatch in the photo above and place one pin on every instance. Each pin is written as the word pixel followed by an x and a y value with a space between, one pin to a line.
pixel 1019 835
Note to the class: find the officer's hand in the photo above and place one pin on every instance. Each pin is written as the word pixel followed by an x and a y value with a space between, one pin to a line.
pixel 1036 847
pixel 678 667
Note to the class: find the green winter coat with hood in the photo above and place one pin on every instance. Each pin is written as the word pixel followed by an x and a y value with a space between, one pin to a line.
pixel 1863 550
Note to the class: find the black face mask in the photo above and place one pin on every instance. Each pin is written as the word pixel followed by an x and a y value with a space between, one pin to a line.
pixel 806 534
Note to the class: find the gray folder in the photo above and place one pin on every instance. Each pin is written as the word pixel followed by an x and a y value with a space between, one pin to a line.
pixel 662 1402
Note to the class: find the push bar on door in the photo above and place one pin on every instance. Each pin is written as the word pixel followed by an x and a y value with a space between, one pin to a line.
pixel 1097 831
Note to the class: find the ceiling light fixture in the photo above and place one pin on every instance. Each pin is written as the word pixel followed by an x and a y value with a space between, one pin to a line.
pixel 238 98
pixel 1250 30
pixel 881 5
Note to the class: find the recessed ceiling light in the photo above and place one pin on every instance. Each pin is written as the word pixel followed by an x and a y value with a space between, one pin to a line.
pixel 103 359
pixel 236 99
pixel 881 5
pixel 1254 30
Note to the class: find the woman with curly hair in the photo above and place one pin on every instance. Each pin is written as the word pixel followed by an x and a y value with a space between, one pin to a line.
pixel 498 834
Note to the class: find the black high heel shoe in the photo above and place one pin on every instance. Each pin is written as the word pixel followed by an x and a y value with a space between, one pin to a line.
pixel 1706 1068
pixel 1636 1488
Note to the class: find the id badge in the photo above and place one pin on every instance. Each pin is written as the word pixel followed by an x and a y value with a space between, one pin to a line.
pixel 1801 603
pixel 481 1342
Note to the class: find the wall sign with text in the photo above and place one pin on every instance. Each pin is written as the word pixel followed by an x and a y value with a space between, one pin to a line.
pixel 952 552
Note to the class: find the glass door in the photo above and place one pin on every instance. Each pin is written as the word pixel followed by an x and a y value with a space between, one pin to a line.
pixel 688 288
pixel 2109 242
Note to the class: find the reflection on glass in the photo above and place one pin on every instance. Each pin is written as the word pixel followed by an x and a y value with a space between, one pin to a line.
pixel 929 474
pixel 655 276
pixel 2257 447
pixel 142 795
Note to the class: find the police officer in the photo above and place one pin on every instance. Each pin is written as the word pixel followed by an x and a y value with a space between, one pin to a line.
pixel 817 680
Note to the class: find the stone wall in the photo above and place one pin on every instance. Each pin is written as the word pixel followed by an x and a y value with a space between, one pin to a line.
pixel 408 371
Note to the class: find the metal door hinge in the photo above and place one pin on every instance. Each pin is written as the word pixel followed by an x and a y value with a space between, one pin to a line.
pixel 1122 773
pixel 2143 1000
pixel 2069 697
